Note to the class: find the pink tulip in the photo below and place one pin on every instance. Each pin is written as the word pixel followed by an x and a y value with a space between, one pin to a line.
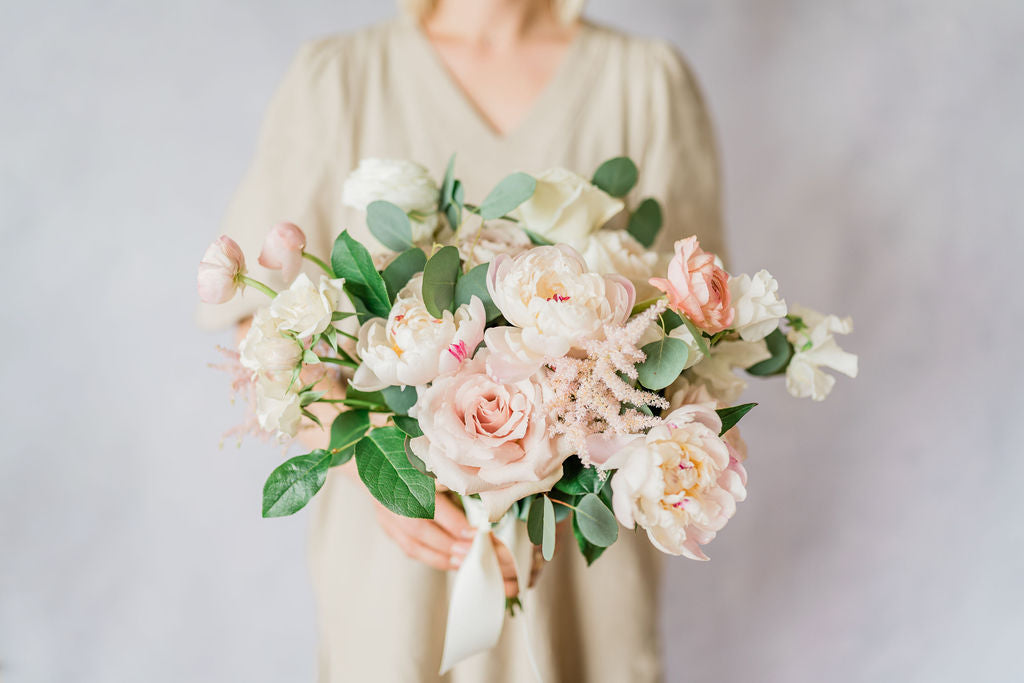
pixel 282 250
pixel 696 287
pixel 220 270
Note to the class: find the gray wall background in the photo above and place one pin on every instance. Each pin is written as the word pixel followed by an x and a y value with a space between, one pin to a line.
pixel 873 162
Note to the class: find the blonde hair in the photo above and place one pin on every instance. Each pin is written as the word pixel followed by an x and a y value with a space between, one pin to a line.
pixel 567 11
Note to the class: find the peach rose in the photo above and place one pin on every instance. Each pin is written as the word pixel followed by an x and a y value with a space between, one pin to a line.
pixel 696 287
pixel 282 250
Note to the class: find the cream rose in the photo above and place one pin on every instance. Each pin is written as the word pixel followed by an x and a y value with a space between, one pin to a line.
pixel 616 251
pixel 404 183
pixel 265 349
pixel 815 347
pixel 566 208
pixel 487 437
pixel 305 309
pixel 413 347
pixel 758 308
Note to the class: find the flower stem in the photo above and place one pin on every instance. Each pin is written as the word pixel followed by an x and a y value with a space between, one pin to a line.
pixel 327 269
pixel 560 502
pixel 256 284
pixel 338 361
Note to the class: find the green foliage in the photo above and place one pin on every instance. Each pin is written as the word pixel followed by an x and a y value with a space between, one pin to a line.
pixel 409 425
pixel 596 521
pixel 616 176
pixel 474 283
pixel 512 191
pixel 389 224
pixel 730 416
pixel 398 273
pixel 702 343
pixel 540 525
pixel 399 399
pixel 415 461
pixel 371 400
pixel 451 196
pixel 352 261
pixel 782 353
pixel 589 551
pixel 664 363
pixel 439 277
pixel 537 240
pixel 577 479
pixel 294 483
pixel 346 431
pixel 385 469
pixel 645 222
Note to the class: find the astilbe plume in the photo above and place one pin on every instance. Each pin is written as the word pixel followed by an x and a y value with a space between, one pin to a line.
pixel 590 392
pixel 241 385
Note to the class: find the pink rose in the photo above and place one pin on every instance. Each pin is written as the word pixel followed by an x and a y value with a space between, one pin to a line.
pixel 282 250
pixel 696 287
pixel 487 437
pixel 219 271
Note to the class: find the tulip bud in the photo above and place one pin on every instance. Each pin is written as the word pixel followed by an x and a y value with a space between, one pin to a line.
pixel 220 271
pixel 282 250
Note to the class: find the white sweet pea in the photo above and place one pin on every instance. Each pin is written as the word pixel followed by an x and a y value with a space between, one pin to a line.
pixel 277 406
pixel 265 349
pixel 305 309
pixel 413 347
pixel 815 347
pixel 618 252
pixel 566 208
pixel 404 183
pixel 716 372
pixel 757 304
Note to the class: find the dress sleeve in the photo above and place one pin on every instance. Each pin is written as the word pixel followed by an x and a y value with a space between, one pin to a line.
pixel 290 176
pixel 680 166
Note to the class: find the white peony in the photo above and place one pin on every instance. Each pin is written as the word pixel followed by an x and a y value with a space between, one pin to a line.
pixel 757 304
pixel 716 372
pixel 566 208
pixel 413 347
pixel 277 406
pixel 404 183
pixel 616 251
pixel 265 349
pixel 814 347
pixel 305 309
pixel 552 302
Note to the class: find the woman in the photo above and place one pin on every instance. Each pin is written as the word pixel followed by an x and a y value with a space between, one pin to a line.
pixel 506 85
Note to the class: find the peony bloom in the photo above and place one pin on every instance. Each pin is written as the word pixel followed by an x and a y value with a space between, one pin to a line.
pixel 566 208
pixel 282 250
pixel 815 346
pixel 413 347
pixel 404 183
pixel 618 252
pixel 717 372
pixel 277 406
pixel 305 309
pixel 757 305
pixel 678 482
pixel 488 437
pixel 266 350
pixel 554 303
pixel 219 271
pixel 488 240
pixel 696 287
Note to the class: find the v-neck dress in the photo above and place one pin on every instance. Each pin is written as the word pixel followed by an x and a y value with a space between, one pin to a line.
pixel 384 92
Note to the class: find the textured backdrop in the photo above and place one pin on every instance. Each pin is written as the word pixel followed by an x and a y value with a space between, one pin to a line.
pixel 873 162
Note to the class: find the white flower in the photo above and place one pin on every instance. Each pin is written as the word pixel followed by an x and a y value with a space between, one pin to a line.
pixel 482 244
pixel 566 208
pixel 277 406
pixel 678 481
pixel 815 346
pixel 757 305
pixel 265 349
pixel 616 251
pixel 305 309
pixel 683 334
pixel 413 347
pixel 404 183
pixel 553 302
pixel 716 372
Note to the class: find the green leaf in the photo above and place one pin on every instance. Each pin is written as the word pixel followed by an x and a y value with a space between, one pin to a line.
pixel 538 240
pixel 439 276
pixel 512 191
pixel 540 526
pixel 389 224
pixel 294 483
pixel 524 509
pixel 399 399
pixel 415 461
pixel 346 431
pixel 665 361
pixel 352 261
pixel 645 222
pixel 341 315
pixel 307 397
pixel 590 551
pixel 398 273
pixel 448 184
pixel 535 522
pixel 362 312
pixel 475 283
pixel 596 521
pixel 385 469
pixel 730 416
pixel 616 176
pixel 577 479
pixel 312 418
pixel 409 425
pixel 702 343
pixel 370 398
pixel 782 352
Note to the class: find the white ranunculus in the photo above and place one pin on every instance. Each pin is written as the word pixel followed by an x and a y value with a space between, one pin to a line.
pixel 565 208
pixel 265 349
pixel 716 372
pixel 277 406
pixel 404 183
pixel 552 303
pixel 482 243
pixel 757 304
pixel 616 251
pixel 814 347
pixel 412 347
pixel 305 309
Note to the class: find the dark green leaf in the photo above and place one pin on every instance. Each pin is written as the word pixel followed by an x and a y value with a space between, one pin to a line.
pixel 535 522
pixel 352 261
pixel 448 184
pixel 294 483
pixel 782 352
pixel 596 521
pixel 415 461
pixel 341 315
pixel 577 479
pixel 312 418
pixel 398 273
pixel 702 343
pixel 475 283
pixel 616 176
pixel 538 240
pixel 665 361
pixel 512 191
pixel 645 222
pixel 371 398
pixel 399 399
pixel 540 525
pixel 590 551
pixel 385 469
pixel 730 416
pixel 389 224
pixel 362 312
pixel 439 276
pixel 346 430
pixel 409 425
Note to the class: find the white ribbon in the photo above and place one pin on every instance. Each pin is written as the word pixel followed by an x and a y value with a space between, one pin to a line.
pixel 476 612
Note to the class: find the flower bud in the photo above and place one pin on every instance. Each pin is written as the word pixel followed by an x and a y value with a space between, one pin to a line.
pixel 219 271
pixel 282 250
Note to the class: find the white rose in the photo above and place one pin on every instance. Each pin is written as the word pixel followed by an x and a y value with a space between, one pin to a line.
pixel 757 304
pixel 305 309
pixel 413 347
pixel 716 372
pixel 404 183
pixel 566 208
pixel 488 240
pixel 265 349
pixel 553 302
pixel 616 251
pixel 277 406
pixel 815 346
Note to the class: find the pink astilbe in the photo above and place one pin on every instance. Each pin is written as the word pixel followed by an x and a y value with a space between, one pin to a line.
pixel 241 385
pixel 590 393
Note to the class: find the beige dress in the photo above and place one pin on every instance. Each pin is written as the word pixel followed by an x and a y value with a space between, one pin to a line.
pixel 383 92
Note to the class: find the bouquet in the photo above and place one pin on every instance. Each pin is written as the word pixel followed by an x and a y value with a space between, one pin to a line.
pixel 525 354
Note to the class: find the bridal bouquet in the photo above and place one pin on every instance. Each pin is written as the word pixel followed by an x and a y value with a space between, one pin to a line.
pixel 522 353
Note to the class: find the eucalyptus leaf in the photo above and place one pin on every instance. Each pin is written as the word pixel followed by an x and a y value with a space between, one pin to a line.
pixel 409 425
pixel 702 343
pixel 782 353
pixel 616 176
pixel 589 551
pixel 512 191
pixel 535 522
pixel 670 320
pixel 596 521
pixel 346 431
pixel 398 273
pixel 439 277
pixel 538 240
pixel 730 416
pixel 294 483
pixel 540 525
pixel 385 469
pixel 665 361
pixel 389 224
pixel 645 222
pixel 547 546
pixel 399 399
pixel 475 283
pixel 352 261
pixel 447 184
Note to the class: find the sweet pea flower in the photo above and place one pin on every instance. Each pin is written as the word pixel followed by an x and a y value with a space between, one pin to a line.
pixel 757 304
pixel 220 271
pixel 696 287
pixel 282 250
pixel 717 373
pixel 815 347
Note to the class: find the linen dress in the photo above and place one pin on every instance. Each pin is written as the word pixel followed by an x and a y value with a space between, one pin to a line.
pixel 383 92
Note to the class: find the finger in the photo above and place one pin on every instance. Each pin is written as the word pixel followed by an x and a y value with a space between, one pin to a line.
pixel 505 561
pixel 451 518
